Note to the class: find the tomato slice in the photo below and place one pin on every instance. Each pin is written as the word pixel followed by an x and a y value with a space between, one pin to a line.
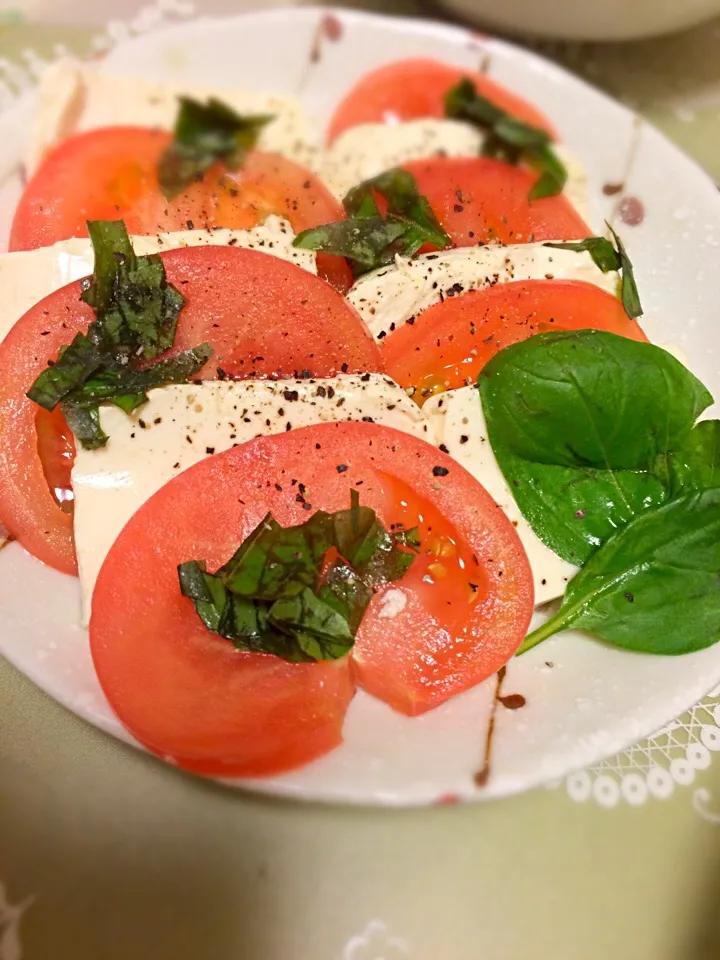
pixel 188 695
pixel 416 88
pixel 448 344
pixel 478 200
pixel 111 174
pixel 263 317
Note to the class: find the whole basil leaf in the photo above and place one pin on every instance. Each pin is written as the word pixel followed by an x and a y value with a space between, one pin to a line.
pixel 583 424
pixel 655 586
pixel 696 465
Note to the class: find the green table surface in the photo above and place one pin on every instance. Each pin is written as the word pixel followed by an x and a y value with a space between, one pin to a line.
pixel 105 854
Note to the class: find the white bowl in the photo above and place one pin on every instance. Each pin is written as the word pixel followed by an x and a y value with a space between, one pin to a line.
pixel 584 19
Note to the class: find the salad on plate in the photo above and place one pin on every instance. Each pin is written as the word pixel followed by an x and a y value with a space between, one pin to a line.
pixel 309 412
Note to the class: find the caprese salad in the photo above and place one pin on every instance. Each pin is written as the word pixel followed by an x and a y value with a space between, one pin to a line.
pixel 310 415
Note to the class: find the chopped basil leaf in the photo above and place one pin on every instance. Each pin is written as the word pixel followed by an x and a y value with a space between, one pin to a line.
pixel 507 138
pixel 654 586
pixel 608 257
pixel 136 317
pixel 369 240
pixel 206 133
pixel 275 596
pixel 74 365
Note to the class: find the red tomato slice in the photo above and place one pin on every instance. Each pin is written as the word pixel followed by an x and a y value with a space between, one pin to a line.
pixel 173 684
pixel 412 89
pixel 478 200
pixel 111 174
pixel 448 344
pixel 263 317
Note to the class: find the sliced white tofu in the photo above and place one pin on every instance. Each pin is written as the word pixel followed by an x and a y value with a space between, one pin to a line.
pixel 460 426
pixel 180 425
pixel 368 149
pixel 29 275
pixel 388 297
pixel 75 97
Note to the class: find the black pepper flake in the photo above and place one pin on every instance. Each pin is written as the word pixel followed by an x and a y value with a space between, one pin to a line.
pixel 176 465
pixel 299 498
pixel 330 392
pixel 630 598
pixel 410 320
pixel 382 335
pixel 444 448
pixel 440 471
pixel 209 451
pixel 190 225
pixel 345 368
pixel 341 467
pixel 188 438
pixel 291 395
pixel 221 375
pixel 157 420
pixel 473 587
pixel 307 506
pixel 458 208
pixel 368 420
pixel 321 392
pixel 365 377
pixel 278 488
pixel 464 438
pixel 288 426
pixel 142 424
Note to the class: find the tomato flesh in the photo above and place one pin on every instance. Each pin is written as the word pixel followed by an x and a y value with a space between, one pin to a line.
pixel 188 695
pixel 416 88
pixel 478 200
pixel 263 317
pixel 448 344
pixel 111 174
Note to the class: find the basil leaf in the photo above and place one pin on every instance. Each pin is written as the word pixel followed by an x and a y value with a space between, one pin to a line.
pixel 74 365
pixel 137 308
pixel 508 138
pixel 321 631
pixel 127 387
pixel 136 317
pixel 205 134
pixel 84 421
pixel 275 596
pixel 655 586
pixel 583 425
pixel 608 258
pixel 629 291
pixel 370 241
pixel 696 465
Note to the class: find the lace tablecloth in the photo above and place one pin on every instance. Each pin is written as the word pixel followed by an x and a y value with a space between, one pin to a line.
pixel 106 855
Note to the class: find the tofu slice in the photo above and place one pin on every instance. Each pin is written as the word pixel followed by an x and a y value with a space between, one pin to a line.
pixel 459 424
pixel 388 297
pixel 29 275
pixel 75 97
pixel 182 424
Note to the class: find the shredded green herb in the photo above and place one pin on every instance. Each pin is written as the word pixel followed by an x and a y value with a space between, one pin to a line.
pixel 276 596
pixel 206 133
pixel 507 138
pixel 608 257
pixel 136 316
pixel 369 240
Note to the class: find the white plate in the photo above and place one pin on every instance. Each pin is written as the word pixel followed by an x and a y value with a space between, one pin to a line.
pixel 593 700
